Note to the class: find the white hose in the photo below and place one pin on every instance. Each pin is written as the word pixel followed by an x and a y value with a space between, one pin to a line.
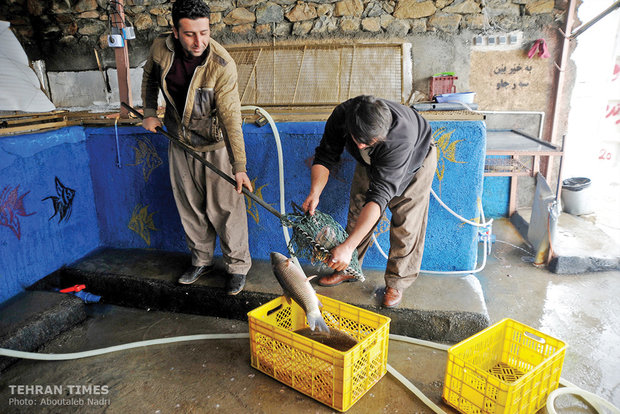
pixel 471 223
pixel 421 342
pixel 592 399
pixel 485 238
pixel 101 351
pixel 415 390
pixel 276 136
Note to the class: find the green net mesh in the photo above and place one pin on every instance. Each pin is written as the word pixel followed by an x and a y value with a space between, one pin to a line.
pixel 314 236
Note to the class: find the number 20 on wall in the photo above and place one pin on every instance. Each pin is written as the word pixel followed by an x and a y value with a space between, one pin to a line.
pixel 604 155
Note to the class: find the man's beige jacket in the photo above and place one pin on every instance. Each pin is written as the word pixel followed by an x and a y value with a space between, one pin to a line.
pixel 211 117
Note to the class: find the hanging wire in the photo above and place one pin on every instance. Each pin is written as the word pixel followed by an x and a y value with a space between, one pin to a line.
pixel 113 9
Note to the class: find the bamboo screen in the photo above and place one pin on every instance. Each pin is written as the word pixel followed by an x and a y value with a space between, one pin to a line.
pixel 318 74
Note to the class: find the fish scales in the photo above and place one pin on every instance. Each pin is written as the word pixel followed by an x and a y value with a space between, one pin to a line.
pixel 297 287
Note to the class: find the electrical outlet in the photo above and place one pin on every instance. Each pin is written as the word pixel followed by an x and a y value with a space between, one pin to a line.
pixel 129 33
pixel 116 40
pixel 513 39
pixel 491 41
pixel 502 40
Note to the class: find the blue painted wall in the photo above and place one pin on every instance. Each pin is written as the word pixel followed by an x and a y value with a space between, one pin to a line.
pixel 496 196
pixel 33 241
pixel 123 196
pixel 451 244
pixel 139 191
pixel 135 205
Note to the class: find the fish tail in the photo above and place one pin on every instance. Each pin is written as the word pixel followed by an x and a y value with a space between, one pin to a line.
pixel 316 322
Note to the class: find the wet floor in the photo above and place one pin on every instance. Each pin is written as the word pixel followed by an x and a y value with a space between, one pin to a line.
pixel 216 376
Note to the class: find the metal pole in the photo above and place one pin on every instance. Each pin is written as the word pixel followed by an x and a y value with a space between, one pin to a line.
pixel 559 85
pixel 586 26
pixel 122 58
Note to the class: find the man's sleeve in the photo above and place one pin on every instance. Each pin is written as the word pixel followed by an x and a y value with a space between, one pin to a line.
pixel 332 144
pixel 229 108
pixel 150 86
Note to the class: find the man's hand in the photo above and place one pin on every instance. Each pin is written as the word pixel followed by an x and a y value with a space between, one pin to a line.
pixel 318 178
pixel 341 257
pixel 243 181
pixel 151 123
pixel 310 203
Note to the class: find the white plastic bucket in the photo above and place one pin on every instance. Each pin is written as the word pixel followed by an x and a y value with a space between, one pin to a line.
pixel 576 196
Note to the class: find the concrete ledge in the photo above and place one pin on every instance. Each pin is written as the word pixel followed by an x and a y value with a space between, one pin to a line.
pixel 31 319
pixel 434 308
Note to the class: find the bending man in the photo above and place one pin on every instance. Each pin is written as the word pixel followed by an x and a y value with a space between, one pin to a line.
pixel 396 162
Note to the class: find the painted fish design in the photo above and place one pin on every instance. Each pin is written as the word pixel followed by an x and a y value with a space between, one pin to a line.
pixel 297 287
pixel 337 339
pixel 63 203
pixel 147 156
pixel 12 206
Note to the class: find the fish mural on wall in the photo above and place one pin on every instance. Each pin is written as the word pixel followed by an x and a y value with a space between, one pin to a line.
pixel 446 151
pixel 478 218
pixel 141 222
pixel 11 208
pixel 146 155
pixel 63 203
pixel 252 206
pixel 382 227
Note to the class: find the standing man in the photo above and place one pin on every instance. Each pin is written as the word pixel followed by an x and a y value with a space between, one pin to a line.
pixel 198 79
pixel 396 162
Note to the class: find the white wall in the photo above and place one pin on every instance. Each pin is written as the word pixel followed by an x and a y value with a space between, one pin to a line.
pixel 87 89
pixel 592 147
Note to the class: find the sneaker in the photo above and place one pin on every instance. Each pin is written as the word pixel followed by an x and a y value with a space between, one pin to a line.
pixel 193 274
pixel 234 283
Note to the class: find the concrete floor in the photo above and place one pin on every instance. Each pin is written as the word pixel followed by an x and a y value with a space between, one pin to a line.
pixel 210 376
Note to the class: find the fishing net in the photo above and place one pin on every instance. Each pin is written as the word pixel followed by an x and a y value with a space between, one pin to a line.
pixel 314 236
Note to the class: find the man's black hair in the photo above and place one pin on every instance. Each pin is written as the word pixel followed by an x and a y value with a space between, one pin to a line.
pixel 368 118
pixel 189 9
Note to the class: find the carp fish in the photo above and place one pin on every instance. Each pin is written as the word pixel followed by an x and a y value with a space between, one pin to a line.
pixel 297 287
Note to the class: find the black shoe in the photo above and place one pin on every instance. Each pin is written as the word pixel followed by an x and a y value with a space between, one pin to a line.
pixel 193 273
pixel 234 283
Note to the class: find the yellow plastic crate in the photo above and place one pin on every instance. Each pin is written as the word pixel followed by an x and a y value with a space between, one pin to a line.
pixel 337 379
pixel 506 368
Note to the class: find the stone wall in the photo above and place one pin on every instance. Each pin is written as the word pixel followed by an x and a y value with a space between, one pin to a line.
pixel 65 32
